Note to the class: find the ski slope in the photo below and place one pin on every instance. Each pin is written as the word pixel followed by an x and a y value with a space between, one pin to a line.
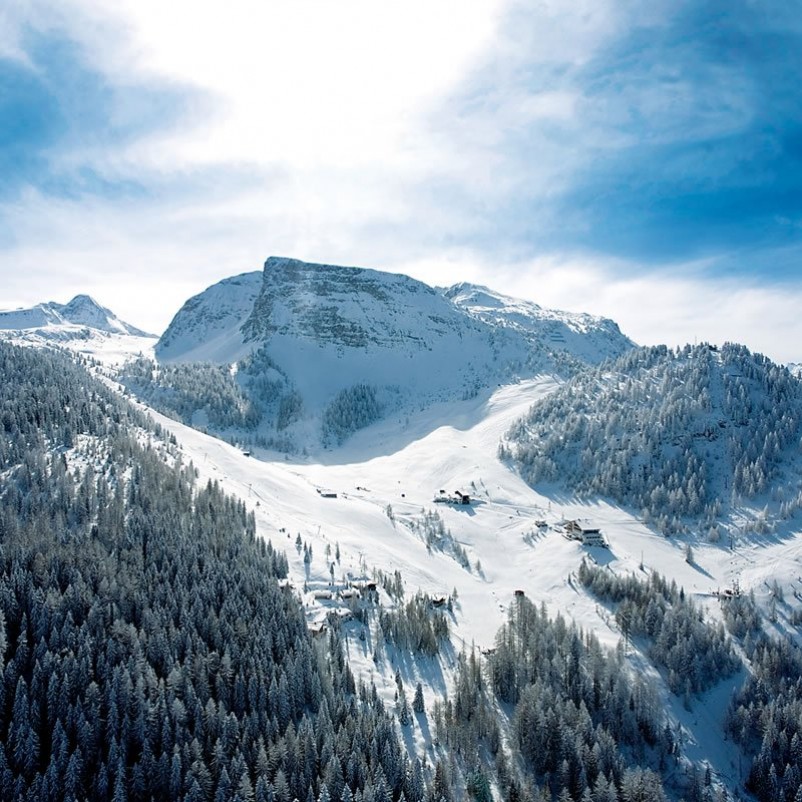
pixel 403 463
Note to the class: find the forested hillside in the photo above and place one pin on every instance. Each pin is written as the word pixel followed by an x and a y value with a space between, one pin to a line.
pixel 253 403
pixel 695 654
pixel 583 725
pixel 675 434
pixel 146 650
pixel 198 393
pixel 765 716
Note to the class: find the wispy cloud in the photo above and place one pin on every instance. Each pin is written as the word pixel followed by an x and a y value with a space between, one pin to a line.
pixel 67 127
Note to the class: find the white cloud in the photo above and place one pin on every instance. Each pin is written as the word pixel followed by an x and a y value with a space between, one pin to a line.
pixel 304 83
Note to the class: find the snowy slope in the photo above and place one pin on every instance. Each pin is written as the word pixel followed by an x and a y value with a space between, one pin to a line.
pixel 499 531
pixel 82 325
pixel 207 327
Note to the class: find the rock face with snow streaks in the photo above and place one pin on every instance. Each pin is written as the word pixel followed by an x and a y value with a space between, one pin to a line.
pixel 328 327
pixel 587 337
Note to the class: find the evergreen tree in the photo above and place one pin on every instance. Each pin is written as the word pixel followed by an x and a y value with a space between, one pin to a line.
pixel 417 702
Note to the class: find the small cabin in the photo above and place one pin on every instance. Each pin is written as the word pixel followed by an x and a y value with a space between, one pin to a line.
pixel 317 629
pixel 326 493
pixel 457 497
pixel 363 584
pixel 340 615
pixel 588 534
pixel 438 601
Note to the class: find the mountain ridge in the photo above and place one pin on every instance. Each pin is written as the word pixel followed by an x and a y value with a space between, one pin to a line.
pixel 346 345
pixel 81 311
pixel 585 333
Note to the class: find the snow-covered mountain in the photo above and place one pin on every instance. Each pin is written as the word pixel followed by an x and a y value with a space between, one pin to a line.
pixel 320 331
pixel 82 324
pixel 360 311
pixel 82 312
pixel 588 337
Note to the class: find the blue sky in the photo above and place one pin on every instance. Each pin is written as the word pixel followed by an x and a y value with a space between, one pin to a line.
pixel 632 159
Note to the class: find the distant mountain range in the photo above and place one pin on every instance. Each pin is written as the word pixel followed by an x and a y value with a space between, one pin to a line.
pixel 65 321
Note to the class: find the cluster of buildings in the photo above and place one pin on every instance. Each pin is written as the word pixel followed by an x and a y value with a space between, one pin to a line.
pixel 455 497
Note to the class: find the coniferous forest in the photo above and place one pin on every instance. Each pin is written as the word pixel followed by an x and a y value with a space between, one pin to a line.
pixel 676 435
pixel 582 724
pixel 146 650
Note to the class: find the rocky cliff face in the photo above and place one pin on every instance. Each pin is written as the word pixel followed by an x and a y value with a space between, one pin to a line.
pixel 350 307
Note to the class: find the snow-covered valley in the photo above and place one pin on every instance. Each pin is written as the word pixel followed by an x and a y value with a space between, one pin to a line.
pixel 387 477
